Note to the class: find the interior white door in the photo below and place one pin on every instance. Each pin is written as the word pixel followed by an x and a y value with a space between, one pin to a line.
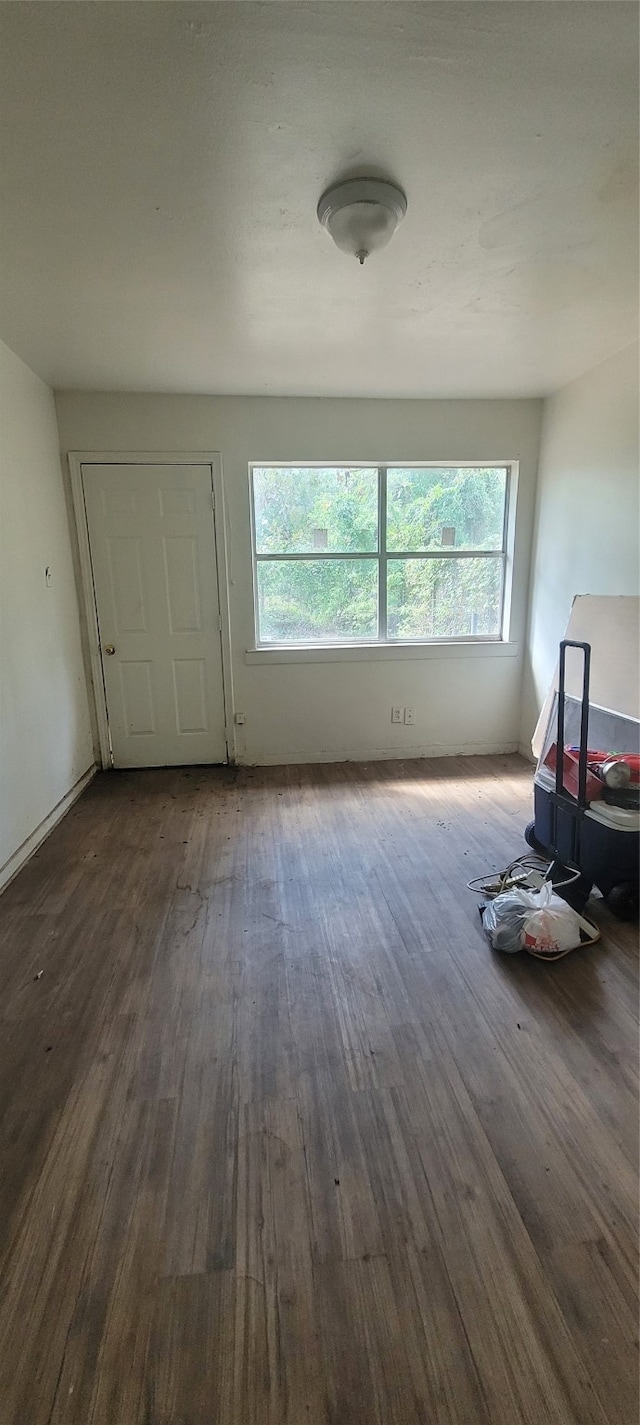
pixel 153 555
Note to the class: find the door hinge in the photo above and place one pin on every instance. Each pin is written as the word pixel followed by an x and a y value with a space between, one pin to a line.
pixel 213 500
pixel 219 623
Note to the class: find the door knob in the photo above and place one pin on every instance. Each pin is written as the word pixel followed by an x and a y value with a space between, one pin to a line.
pixel 109 650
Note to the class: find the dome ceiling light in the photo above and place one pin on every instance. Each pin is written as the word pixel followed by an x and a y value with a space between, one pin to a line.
pixel 362 215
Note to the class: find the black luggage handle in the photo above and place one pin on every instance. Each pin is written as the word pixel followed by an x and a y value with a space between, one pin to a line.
pixel 584 721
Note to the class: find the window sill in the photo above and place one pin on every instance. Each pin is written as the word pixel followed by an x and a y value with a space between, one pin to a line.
pixel 371 652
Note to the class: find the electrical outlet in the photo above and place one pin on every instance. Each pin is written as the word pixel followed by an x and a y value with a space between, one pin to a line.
pixel 397 714
pixel 408 717
pixel 239 719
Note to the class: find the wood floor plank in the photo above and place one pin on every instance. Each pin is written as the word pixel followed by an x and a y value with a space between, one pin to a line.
pixel 282 1142
pixel 274 1253
pixel 192 1352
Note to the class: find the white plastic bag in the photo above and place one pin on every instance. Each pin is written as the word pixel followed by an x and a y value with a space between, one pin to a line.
pixel 551 927
pixel 537 921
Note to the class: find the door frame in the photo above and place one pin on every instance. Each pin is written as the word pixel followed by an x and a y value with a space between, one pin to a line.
pixel 78 458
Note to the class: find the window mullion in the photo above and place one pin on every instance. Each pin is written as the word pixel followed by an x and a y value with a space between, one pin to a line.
pixel 503 583
pixel 382 553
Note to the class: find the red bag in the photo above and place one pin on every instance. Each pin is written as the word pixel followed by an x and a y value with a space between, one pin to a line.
pixel 570 763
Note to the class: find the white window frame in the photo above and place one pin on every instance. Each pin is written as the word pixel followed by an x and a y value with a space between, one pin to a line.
pixel 383 641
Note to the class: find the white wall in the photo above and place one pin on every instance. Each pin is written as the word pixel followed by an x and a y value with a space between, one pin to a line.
pixel 320 711
pixel 45 738
pixel 586 538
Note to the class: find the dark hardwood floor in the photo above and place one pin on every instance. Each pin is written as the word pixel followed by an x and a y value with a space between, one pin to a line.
pixel 283 1141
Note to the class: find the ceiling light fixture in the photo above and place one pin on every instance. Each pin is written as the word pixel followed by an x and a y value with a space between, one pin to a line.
pixel 362 215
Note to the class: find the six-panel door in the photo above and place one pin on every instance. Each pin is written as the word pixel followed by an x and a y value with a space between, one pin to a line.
pixel 152 542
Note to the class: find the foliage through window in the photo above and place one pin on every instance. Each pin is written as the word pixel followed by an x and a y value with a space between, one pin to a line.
pixel 365 554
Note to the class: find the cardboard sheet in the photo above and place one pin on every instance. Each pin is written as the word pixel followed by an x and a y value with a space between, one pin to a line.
pixel 611 624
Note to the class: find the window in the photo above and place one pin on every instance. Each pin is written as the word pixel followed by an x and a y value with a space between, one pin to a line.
pixel 365 554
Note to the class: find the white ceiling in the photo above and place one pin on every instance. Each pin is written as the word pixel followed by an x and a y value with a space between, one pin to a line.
pixel 161 166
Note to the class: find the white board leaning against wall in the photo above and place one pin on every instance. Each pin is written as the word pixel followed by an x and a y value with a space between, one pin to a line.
pixel 611 625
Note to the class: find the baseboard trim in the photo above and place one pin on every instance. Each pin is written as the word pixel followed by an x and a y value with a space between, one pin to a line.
pixel 24 852
pixel 377 754
pixel 525 751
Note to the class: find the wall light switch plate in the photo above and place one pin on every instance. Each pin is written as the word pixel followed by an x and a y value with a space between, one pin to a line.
pixel 409 717
pixel 397 714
